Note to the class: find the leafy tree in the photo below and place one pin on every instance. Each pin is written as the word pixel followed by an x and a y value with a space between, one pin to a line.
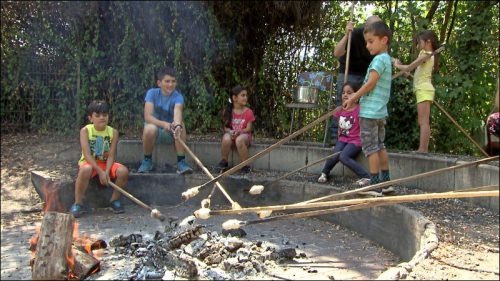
pixel 57 56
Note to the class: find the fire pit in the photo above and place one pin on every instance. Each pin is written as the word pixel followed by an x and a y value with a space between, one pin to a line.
pixel 301 249
pixel 294 249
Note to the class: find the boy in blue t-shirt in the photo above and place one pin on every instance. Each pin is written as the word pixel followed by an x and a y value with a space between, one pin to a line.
pixel 163 120
pixel 374 95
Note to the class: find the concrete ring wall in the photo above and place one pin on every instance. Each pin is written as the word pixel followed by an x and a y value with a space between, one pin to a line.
pixel 290 157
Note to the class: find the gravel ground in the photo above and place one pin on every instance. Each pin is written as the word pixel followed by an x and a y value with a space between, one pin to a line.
pixel 468 235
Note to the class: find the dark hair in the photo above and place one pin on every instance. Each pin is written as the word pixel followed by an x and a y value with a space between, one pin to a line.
pixel 165 71
pixel 353 86
pixel 227 116
pixel 97 106
pixel 431 36
pixel 380 29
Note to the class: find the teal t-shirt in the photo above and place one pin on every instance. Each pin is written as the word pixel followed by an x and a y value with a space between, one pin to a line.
pixel 374 104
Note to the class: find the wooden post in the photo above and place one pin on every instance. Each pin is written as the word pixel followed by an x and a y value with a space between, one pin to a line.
pixel 53 247
pixel 78 97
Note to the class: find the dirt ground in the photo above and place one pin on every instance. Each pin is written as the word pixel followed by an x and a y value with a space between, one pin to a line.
pixel 468 235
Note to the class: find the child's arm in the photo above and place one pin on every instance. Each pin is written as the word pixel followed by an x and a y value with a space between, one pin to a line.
pixel 248 128
pixel 150 118
pixel 366 88
pixel 407 68
pixel 178 108
pixel 112 152
pixel 84 143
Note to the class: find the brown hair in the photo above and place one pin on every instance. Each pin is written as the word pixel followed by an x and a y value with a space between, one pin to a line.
pixel 431 36
pixel 227 116
pixel 380 29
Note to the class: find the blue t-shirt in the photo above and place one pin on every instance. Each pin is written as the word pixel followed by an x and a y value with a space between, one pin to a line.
pixel 374 104
pixel 164 105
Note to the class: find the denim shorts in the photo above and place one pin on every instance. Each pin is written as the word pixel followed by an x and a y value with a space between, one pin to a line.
pixel 162 136
pixel 372 135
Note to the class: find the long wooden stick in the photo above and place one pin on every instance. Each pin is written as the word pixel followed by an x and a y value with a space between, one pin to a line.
pixel 206 171
pixel 348 55
pixel 130 196
pixel 391 200
pixel 338 209
pixel 155 213
pixel 418 62
pixel 302 168
pixel 270 148
pixel 460 128
pixel 401 180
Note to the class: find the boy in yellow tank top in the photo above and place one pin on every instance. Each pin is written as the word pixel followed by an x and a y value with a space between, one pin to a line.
pixel 98 142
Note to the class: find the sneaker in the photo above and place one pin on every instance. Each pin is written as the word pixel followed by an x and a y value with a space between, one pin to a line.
pixel 116 205
pixel 246 169
pixel 146 166
pixel 362 182
pixel 77 210
pixel 223 165
pixel 388 190
pixel 323 178
pixel 183 167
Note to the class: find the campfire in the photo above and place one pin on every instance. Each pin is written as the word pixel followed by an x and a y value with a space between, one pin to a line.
pixel 188 251
pixel 58 251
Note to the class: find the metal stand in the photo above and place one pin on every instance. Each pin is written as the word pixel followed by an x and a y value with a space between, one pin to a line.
pixel 327 86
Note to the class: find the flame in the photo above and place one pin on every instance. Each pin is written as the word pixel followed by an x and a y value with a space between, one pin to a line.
pixel 70 258
pixel 52 202
pixel 33 244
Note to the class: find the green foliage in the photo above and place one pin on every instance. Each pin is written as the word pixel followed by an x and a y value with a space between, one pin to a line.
pixel 58 56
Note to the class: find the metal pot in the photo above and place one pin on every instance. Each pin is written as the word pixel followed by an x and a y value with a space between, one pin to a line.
pixel 305 94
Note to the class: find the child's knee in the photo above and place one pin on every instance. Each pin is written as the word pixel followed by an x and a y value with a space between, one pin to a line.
pixel 85 171
pixel 150 130
pixel 226 139
pixel 241 143
pixel 122 172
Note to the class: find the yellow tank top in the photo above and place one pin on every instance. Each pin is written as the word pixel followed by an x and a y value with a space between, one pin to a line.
pixel 99 142
pixel 422 80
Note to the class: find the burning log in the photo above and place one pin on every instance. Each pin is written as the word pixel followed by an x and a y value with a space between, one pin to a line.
pixel 85 264
pixel 53 247
pixel 184 237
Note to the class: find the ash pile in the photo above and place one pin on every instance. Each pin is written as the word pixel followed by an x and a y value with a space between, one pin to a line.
pixel 189 251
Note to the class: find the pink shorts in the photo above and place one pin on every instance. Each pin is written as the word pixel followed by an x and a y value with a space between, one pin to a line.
pixel 112 173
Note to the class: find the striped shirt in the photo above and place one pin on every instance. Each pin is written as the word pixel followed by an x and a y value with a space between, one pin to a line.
pixel 374 103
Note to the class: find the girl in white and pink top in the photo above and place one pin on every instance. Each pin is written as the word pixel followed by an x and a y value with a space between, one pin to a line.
pixel 238 119
pixel 349 141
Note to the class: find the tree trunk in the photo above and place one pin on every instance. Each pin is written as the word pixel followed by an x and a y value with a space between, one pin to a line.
pixel 53 247
pixel 452 21
pixel 442 32
pixel 431 13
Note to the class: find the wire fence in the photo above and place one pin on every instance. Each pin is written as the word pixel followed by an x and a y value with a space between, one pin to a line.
pixel 42 97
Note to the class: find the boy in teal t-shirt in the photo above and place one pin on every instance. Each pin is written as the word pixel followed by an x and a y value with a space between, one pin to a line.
pixel 374 95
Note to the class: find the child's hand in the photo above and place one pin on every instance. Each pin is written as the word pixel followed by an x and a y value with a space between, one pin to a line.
pixel 233 134
pixel 349 27
pixel 103 177
pixel 396 62
pixel 177 131
pixel 348 103
pixel 167 126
